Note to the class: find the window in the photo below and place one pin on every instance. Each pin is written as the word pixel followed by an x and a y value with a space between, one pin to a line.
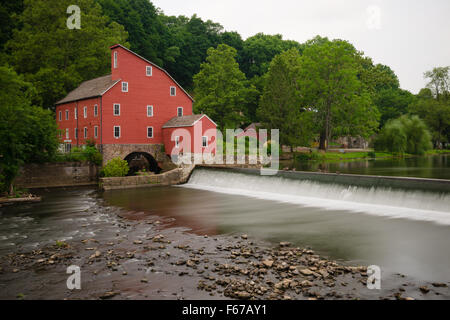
pixel 117 132
pixel 75 133
pixel 75 113
pixel 95 110
pixel 67 114
pixel 115 59
pixel 67 133
pixel 173 91
pixel 60 116
pixel 149 132
pixel 124 86
pixel 180 111
pixel 149 111
pixel 85 112
pixel 85 132
pixel 204 142
pixel 96 132
pixel 67 147
pixel 148 71
pixel 116 109
pixel 177 142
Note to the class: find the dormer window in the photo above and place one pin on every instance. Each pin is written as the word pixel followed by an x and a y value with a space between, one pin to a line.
pixel 173 91
pixel 115 59
pixel 149 71
pixel 180 111
pixel 124 86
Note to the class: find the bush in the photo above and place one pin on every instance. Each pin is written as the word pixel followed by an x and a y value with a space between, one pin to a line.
pixel 116 168
pixel 404 135
pixel 371 154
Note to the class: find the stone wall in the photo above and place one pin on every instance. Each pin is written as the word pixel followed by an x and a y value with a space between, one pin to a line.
pixel 169 178
pixel 111 151
pixel 64 174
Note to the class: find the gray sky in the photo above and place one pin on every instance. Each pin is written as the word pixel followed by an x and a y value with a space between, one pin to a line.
pixel 409 36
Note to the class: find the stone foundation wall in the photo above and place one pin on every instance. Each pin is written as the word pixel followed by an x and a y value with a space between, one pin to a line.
pixel 64 174
pixel 165 179
pixel 111 151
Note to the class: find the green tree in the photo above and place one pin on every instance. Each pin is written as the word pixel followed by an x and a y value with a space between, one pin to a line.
pixel 259 50
pixel 141 21
pixel 56 59
pixel 220 88
pixel 280 106
pixel 439 82
pixel 329 85
pixel 406 134
pixel 27 133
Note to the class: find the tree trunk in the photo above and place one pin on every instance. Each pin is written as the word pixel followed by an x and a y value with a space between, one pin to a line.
pixel 322 143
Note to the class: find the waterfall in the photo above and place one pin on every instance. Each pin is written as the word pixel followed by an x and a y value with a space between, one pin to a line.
pixel 380 201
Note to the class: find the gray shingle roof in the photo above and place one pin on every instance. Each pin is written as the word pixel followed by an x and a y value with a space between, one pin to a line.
pixel 184 121
pixel 90 89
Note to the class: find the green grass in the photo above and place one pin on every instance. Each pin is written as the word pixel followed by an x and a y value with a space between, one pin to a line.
pixel 349 156
pixel 437 152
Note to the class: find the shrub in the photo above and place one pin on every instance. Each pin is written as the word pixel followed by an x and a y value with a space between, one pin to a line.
pixel 116 168
pixel 93 155
pixel 371 154
pixel 405 134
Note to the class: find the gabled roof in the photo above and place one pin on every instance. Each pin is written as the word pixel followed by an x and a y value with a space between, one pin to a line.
pixel 155 65
pixel 90 89
pixel 185 121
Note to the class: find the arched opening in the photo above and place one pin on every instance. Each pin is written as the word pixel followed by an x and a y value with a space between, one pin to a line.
pixel 140 161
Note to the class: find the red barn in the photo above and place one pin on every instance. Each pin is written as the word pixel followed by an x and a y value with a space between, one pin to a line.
pixel 133 112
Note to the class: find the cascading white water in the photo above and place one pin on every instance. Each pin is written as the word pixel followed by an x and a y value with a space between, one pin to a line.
pixel 415 205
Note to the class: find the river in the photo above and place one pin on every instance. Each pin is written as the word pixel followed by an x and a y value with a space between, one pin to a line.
pixel 435 167
pixel 402 232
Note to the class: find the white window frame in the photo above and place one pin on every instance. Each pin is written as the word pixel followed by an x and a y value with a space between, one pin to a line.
pixel 149 115
pixel 178 111
pixel 75 133
pixel 174 90
pixel 149 74
pixel 126 84
pixel 114 132
pixel 114 109
pixel 67 114
pixel 205 142
pixel 67 134
pixel 60 115
pixel 75 113
pixel 95 110
pixel 85 132
pixel 95 131
pixel 85 112
pixel 177 141
pixel 150 137
pixel 116 59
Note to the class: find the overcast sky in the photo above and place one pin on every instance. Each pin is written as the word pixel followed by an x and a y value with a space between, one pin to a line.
pixel 409 36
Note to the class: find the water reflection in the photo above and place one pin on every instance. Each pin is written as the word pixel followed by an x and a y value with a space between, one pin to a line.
pixel 435 167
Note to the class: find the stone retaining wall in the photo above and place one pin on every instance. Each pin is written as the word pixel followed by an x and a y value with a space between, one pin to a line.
pixel 62 174
pixel 165 179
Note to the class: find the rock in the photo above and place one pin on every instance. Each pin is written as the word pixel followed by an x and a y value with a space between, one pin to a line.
pixel 180 263
pixel 285 244
pixel 268 263
pixel 243 295
pixel 306 272
pixel 190 263
pixel 144 280
pixel 424 289
pixel 244 236
pixel 108 295
pixel 137 242
pixel 306 283
pixel 15 270
pixel 409 299
pixel 439 285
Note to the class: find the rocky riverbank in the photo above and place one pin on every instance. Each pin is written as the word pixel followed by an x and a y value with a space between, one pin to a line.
pixel 136 257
